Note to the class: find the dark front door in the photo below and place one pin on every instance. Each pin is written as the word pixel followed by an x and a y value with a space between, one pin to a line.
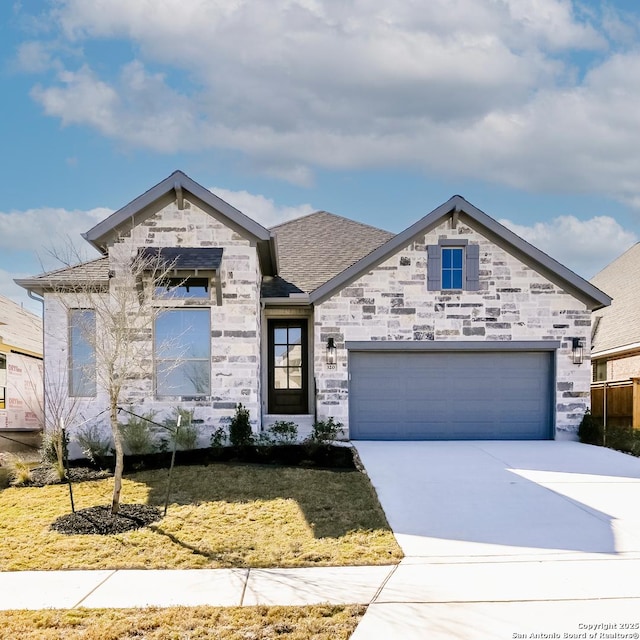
pixel 287 366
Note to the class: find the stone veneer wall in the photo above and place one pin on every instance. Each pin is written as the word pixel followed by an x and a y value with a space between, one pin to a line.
pixel 391 302
pixel 235 325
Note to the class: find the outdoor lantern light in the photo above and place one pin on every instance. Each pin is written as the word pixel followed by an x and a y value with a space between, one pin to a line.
pixel 577 346
pixel 331 351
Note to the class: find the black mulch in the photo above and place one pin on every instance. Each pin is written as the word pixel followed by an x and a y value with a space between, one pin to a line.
pixel 98 520
pixel 42 476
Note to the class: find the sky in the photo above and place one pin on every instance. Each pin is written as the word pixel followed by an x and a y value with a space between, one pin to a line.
pixel 378 111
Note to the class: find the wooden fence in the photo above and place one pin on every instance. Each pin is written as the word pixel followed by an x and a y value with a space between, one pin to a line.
pixel 617 404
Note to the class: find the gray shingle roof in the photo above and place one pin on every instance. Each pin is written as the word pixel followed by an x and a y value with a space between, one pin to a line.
pixel 185 257
pixel 315 248
pixel 95 271
pixel 619 324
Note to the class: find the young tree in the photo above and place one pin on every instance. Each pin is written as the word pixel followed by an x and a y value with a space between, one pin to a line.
pixel 111 321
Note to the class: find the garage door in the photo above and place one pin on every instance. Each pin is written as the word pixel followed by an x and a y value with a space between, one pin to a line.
pixel 450 395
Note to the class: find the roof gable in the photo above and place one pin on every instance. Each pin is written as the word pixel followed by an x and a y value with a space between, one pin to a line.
pixel 174 189
pixel 487 226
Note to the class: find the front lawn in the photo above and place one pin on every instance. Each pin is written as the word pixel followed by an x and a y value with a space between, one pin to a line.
pixel 220 515
pixel 232 623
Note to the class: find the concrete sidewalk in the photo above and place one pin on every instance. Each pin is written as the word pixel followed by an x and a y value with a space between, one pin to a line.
pixel 191 587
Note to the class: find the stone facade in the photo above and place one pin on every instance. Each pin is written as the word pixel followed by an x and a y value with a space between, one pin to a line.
pixel 514 303
pixel 235 324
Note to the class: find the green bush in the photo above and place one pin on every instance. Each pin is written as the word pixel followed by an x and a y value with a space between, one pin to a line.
pixel 218 438
pixel 186 437
pixel 240 427
pixel 325 431
pixel 93 443
pixel 283 432
pixel 591 430
pixel 137 435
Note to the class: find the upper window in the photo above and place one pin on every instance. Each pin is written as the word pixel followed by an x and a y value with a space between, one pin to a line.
pixel 453 265
pixel 182 352
pixel 82 353
pixel 182 288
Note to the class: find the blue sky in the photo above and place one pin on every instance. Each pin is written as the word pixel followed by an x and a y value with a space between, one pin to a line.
pixel 373 110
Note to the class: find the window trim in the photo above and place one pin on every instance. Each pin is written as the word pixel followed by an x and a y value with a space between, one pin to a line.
pixel 92 374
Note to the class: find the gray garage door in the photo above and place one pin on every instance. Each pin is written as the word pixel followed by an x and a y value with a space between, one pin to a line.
pixel 450 396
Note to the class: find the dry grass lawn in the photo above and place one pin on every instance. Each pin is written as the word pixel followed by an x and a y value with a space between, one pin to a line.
pixel 234 623
pixel 222 515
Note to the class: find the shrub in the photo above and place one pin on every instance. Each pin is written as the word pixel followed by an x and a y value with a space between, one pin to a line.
pixel 93 442
pixel 218 438
pixel 283 432
pixel 591 430
pixel 18 468
pixel 325 431
pixel 240 427
pixel 187 436
pixel 54 451
pixel 137 435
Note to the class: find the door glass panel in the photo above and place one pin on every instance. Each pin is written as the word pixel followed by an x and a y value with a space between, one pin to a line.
pixel 295 356
pixel 295 335
pixel 295 378
pixel 280 356
pixel 280 378
pixel 280 336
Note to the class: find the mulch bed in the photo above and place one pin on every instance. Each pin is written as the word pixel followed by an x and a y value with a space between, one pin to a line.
pixel 99 520
pixel 42 476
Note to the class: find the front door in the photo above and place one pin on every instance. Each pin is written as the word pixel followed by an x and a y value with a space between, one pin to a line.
pixel 288 366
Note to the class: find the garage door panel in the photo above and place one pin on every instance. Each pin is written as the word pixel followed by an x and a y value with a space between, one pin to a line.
pixel 450 395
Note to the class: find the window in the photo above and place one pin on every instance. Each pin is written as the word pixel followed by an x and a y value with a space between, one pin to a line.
pixel 599 370
pixel 183 288
pixel 182 352
pixel 82 354
pixel 453 265
pixel 3 380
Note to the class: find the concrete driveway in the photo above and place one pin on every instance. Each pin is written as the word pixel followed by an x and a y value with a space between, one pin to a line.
pixel 507 540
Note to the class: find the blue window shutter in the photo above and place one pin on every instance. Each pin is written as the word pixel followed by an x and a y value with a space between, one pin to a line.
pixel 434 266
pixel 473 268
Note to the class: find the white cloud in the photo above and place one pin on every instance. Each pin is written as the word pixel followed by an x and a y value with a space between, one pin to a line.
pixel 585 246
pixel 38 232
pixel 260 208
pixel 487 89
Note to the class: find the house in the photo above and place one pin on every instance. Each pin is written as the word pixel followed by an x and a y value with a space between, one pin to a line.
pixel 455 328
pixel 20 371
pixel 615 349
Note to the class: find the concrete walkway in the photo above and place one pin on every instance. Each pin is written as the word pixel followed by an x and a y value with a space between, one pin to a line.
pixel 507 540
pixel 191 587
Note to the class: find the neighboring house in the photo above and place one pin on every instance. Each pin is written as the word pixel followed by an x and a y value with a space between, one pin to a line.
pixel 455 328
pixel 20 369
pixel 615 349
